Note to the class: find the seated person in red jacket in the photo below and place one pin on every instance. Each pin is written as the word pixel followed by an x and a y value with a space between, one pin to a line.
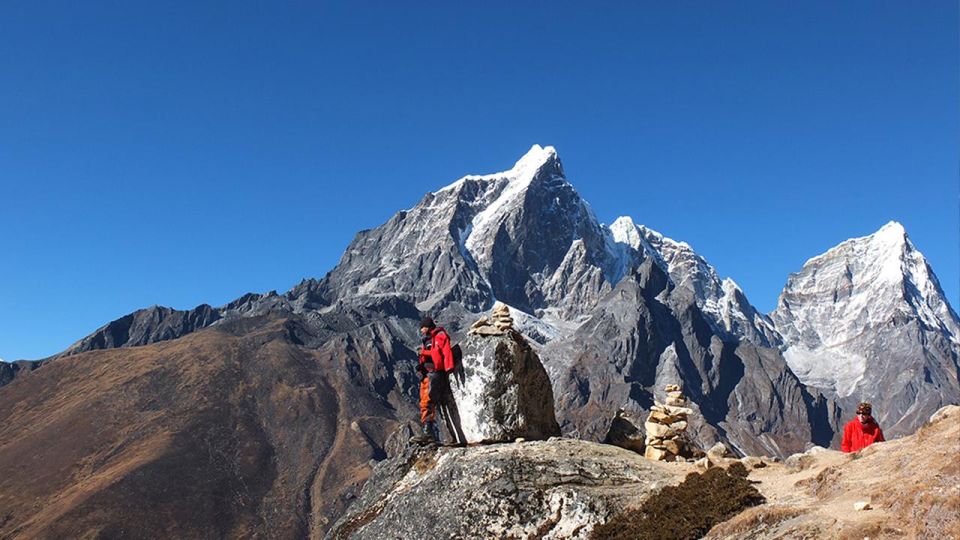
pixel 862 431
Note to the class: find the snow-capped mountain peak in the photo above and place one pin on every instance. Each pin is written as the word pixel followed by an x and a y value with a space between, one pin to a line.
pixel 531 162
pixel 862 280
pixel 537 162
pixel 893 229
pixel 624 231
pixel 522 172
pixel 869 300
pixel 722 301
pixel 881 250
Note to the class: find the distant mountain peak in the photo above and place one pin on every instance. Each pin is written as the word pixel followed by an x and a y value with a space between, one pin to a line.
pixel 624 231
pixel 866 304
pixel 860 271
pixel 885 246
pixel 537 158
pixel 539 161
pixel 893 228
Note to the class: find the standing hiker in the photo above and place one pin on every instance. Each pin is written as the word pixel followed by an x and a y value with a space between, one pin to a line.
pixel 435 365
pixel 862 431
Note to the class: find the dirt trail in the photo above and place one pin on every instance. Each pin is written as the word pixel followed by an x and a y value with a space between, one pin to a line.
pixel 912 485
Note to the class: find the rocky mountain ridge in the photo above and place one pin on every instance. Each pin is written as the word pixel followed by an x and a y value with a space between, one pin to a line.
pixel 480 239
pixel 614 312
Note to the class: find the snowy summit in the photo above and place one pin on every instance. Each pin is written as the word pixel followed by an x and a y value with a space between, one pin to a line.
pixel 853 290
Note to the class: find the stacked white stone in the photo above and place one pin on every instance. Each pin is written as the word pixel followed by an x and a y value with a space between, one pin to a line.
pixel 665 426
pixel 498 323
pixel 501 317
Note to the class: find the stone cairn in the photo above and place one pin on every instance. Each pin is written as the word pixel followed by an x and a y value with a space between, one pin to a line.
pixel 665 427
pixel 497 324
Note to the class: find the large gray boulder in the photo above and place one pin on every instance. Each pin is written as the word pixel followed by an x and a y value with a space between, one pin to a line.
pixel 502 391
pixel 561 488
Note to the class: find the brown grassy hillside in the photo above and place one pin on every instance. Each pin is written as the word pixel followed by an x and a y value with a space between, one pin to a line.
pixel 217 434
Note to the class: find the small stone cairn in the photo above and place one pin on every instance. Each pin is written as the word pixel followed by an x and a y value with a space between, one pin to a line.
pixel 497 324
pixel 665 427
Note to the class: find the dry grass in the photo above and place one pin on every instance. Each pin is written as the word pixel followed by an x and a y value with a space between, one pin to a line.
pixel 756 518
pixel 685 511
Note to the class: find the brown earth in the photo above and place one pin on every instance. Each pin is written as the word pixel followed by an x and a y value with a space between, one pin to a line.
pixel 912 485
pixel 217 434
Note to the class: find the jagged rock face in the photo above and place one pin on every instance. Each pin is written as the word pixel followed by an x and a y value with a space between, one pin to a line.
pixel 147 326
pixel 10 370
pixel 157 323
pixel 723 303
pixel 503 391
pixel 560 488
pixel 415 255
pixel 646 334
pixel 868 321
pixel 481 238
pixel 521 260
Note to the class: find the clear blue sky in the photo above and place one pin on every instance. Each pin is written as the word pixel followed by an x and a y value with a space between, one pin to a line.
pixel 179 153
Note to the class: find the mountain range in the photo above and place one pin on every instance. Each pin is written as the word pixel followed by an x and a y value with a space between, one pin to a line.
pixel 288 397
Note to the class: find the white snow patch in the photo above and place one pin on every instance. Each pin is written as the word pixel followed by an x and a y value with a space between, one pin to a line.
pixel 535 329
pixel 827 368
pixel 624 231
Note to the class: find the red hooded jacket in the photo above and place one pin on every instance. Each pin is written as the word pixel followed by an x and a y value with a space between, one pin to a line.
pixel 437 351
pixel 857 436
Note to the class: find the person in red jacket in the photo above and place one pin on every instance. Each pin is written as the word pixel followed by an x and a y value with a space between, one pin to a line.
pixel 862 431
pixel 435 365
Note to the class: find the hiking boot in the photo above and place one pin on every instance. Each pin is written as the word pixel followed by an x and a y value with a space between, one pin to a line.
pixel 433 431
pixel 421 440
pixel 426 435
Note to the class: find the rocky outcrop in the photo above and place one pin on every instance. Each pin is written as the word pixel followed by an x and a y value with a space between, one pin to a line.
pixel 560 488
pixel 626 431
pixel 10 370
pixel 502 391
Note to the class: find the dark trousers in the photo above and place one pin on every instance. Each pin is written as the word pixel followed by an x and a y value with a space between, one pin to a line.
pixel 435 395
